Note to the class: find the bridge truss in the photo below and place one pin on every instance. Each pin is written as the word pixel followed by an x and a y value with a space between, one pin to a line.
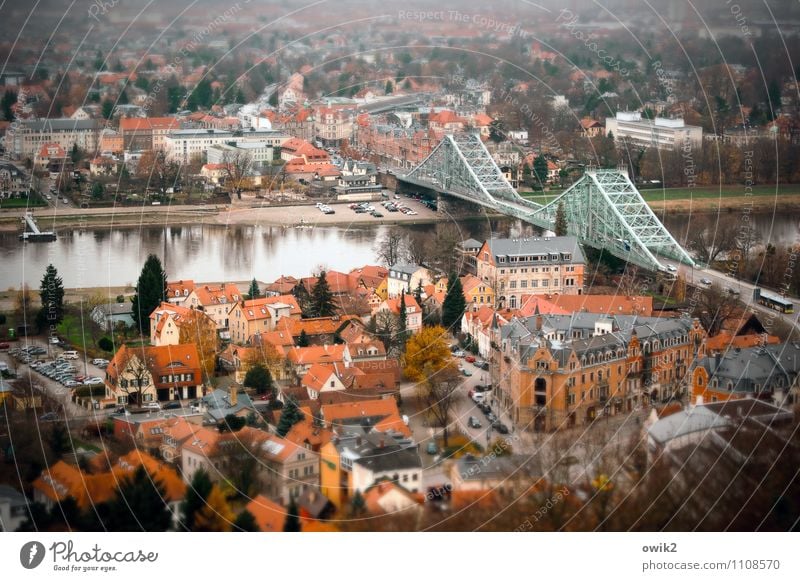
pixel 603 209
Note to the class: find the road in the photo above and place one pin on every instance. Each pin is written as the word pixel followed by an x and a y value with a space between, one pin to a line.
pixel 693 276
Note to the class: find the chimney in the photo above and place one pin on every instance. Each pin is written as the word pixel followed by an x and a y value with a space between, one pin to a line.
pixel 538 322
pixel 233 395
pixel 381 442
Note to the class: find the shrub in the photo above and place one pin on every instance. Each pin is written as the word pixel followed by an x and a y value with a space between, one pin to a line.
pixel 105 344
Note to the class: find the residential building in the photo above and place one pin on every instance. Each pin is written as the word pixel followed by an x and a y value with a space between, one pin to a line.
pixel 477 292
pixel 303 358
pixel 189 145
pixel 561 370
pixel 523 266
pixel 109 315
pixel 406 278
pixel 140 134
pixel 137 375
pixel 13 509
pixel 250 317
pixel 13 181
pixel 333 126
pixel 659 132
pixel 508 475
pixel 270 516
pixel 178 291
pixel 413 311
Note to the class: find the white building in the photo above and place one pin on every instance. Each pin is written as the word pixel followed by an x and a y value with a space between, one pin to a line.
pixel 25 138
pixel 187 145
pixel 659 132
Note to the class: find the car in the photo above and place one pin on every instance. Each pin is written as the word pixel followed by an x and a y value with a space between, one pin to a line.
pixel 151 405
pixel 81 378
pixel 4 346
pixel 478 397
pixel 483 365
pixel 466 372
pixel 474 423
pixel 53 340
pixel 360 210
pixel 99 361
pixel 93 381
pixel 454 348
pixel 396 196
pixel 459 353
pixel 500 427
pixel 328 211
pixel 49 417
pixel 484 407
pixel 491 418
pixel 705 281
pixel 49 197
pixel 70 355
pixel 671 268
pixel 320 205
pixel 411 213
pixel 469 359
pixel 173 405
pixel 482 388
pixel 37 364
pixel 376 214
pixel 432 448
pixel 72 383
pixel 731 290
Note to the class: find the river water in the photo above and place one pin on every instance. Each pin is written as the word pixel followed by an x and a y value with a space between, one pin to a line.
pixel 103 257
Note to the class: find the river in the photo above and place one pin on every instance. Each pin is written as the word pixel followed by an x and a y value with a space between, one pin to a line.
pixel 103 257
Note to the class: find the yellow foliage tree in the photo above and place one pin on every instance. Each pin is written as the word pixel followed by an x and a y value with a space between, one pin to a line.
pixel 200 329
pixel 216 515
pixel 426 352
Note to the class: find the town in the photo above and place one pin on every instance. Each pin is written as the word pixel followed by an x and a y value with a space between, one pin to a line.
pixel 550 289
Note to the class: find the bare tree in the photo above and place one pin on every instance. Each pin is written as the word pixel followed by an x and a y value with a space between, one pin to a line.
pixel 714 307
pixel 160 172
pixel 389 248
pixel 237 170
pixel 137 380
pixel 711 239
pixel 418 247
pixel 437 394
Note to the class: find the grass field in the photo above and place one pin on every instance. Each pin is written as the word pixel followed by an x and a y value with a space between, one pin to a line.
pixel 33 202
pixel 79 336
pixel 704 193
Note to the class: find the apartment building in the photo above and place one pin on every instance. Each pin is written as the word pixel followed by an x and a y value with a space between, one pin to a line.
pixel 515 267
pixel 332 126
pixel 659 132
pixel 558 371
pixel 25 138
pixel 188 145
pixel 140 134
pixel 247 318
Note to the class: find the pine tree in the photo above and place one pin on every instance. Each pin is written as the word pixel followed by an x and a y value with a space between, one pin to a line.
pixel 418 292
pixel 51 292
pixel 139 505
pixel 194 500
pixel 150 291
pixel 540 170
pixel 302 340
pixel 254 292
pixel 289 417
pixel 561 220
pixel 402 318
pixel 303 298
pixel 292 523
pixel 245 523
pixel 259 378
pixel 322 298
pixel 357 505
pixel 454 305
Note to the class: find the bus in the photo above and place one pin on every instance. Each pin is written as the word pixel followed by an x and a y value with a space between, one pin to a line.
pixel 773 301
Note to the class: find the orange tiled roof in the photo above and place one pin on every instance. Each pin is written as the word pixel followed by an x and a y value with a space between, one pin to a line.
pixel 270 516
pixel 335 414
pixel 256 309
pixel 157 359
pixel 148 123
pixel 317 354
pixel 217 295
pixel 726 340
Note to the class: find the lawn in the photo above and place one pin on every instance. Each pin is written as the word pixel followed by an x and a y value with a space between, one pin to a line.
pixel 33 201
pixel 660 195
pixel 77 335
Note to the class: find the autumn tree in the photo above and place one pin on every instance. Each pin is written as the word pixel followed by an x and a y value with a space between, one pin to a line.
pixel 158 171
pixel 561 226
pixel 426 352
pixel 215 515
pixel 23 306
pixel 200 329
pixel 195 498
pixel 237 170
pixel 150 291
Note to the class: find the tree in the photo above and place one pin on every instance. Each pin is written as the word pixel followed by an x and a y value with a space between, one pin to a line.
pixel 232 423
pixel 389 248
pixel 259 378
pixel 710 238
pixel 540 171
pixel 561 220
pixel 714 307
pixel 254 291
pixel 426 352
pixel 303 298
pixel 322 298
pixel 140 378
pixel 237 170
pixel 389 88
pixel 215 515
pixel 139 505
pixel 51 292
pixel 437 393
pixel 6 104
pixel 160 172
pixel 302 340
pixel 105 344
pixel 292 522
pixel 384 326
pixel 201 330
pixel 150 291
pixel 418 293
pixel 497 131
pixel 290 415
pixel 402 317
pixel 245 523
pixel 24 305
pixel 194 500
pixel 454 305
pixel 97 191
pixel 107 109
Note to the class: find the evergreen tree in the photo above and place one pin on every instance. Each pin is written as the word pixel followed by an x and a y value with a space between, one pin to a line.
pixel 454 305
pixel 150 291
pixel 303 298
pixel 357 505
pixel 254 292
pixel 561 220
pixel 292 523
pixel 402 318
pixel 418 293
pixel 302 340
pixel 289 417
pixel 322 304
pixel 259 378
pixel 245 523
pixel 51 292
pixel 194 500
pixel 139 505
pixel 540 170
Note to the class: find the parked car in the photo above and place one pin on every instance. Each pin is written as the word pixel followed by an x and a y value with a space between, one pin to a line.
pixel 376 214
pixel 478 397
pixel 70 355
pixel 466 372
pixel 173 405
pixel 671 268
pixel 469 359
pixel 49 417
pixel 432 448
pixel 53 340
pixel 4 346
pixel 151 405
pixel 459 353
pixel 93 381
pixel 474 423
pixel 705 281
pixel 99 361
pixel 499 427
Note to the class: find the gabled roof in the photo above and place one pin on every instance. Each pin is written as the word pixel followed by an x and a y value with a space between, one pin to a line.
pixel 270 516
pixel 257 309
pixel 380 415
pixel 317 354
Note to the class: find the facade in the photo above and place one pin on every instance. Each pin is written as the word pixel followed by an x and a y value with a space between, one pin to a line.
pixel 25 139
pixel 527 266
pixel 413 311
pixel 333 126
pixel 558 371
pixel 660 133
pixel 189 145
pixel 248 318
pixel 13 181
pixel 406 278
pixel 109 315
pixel 140 134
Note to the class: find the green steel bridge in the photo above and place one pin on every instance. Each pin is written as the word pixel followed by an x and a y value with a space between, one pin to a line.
pixel 604 209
